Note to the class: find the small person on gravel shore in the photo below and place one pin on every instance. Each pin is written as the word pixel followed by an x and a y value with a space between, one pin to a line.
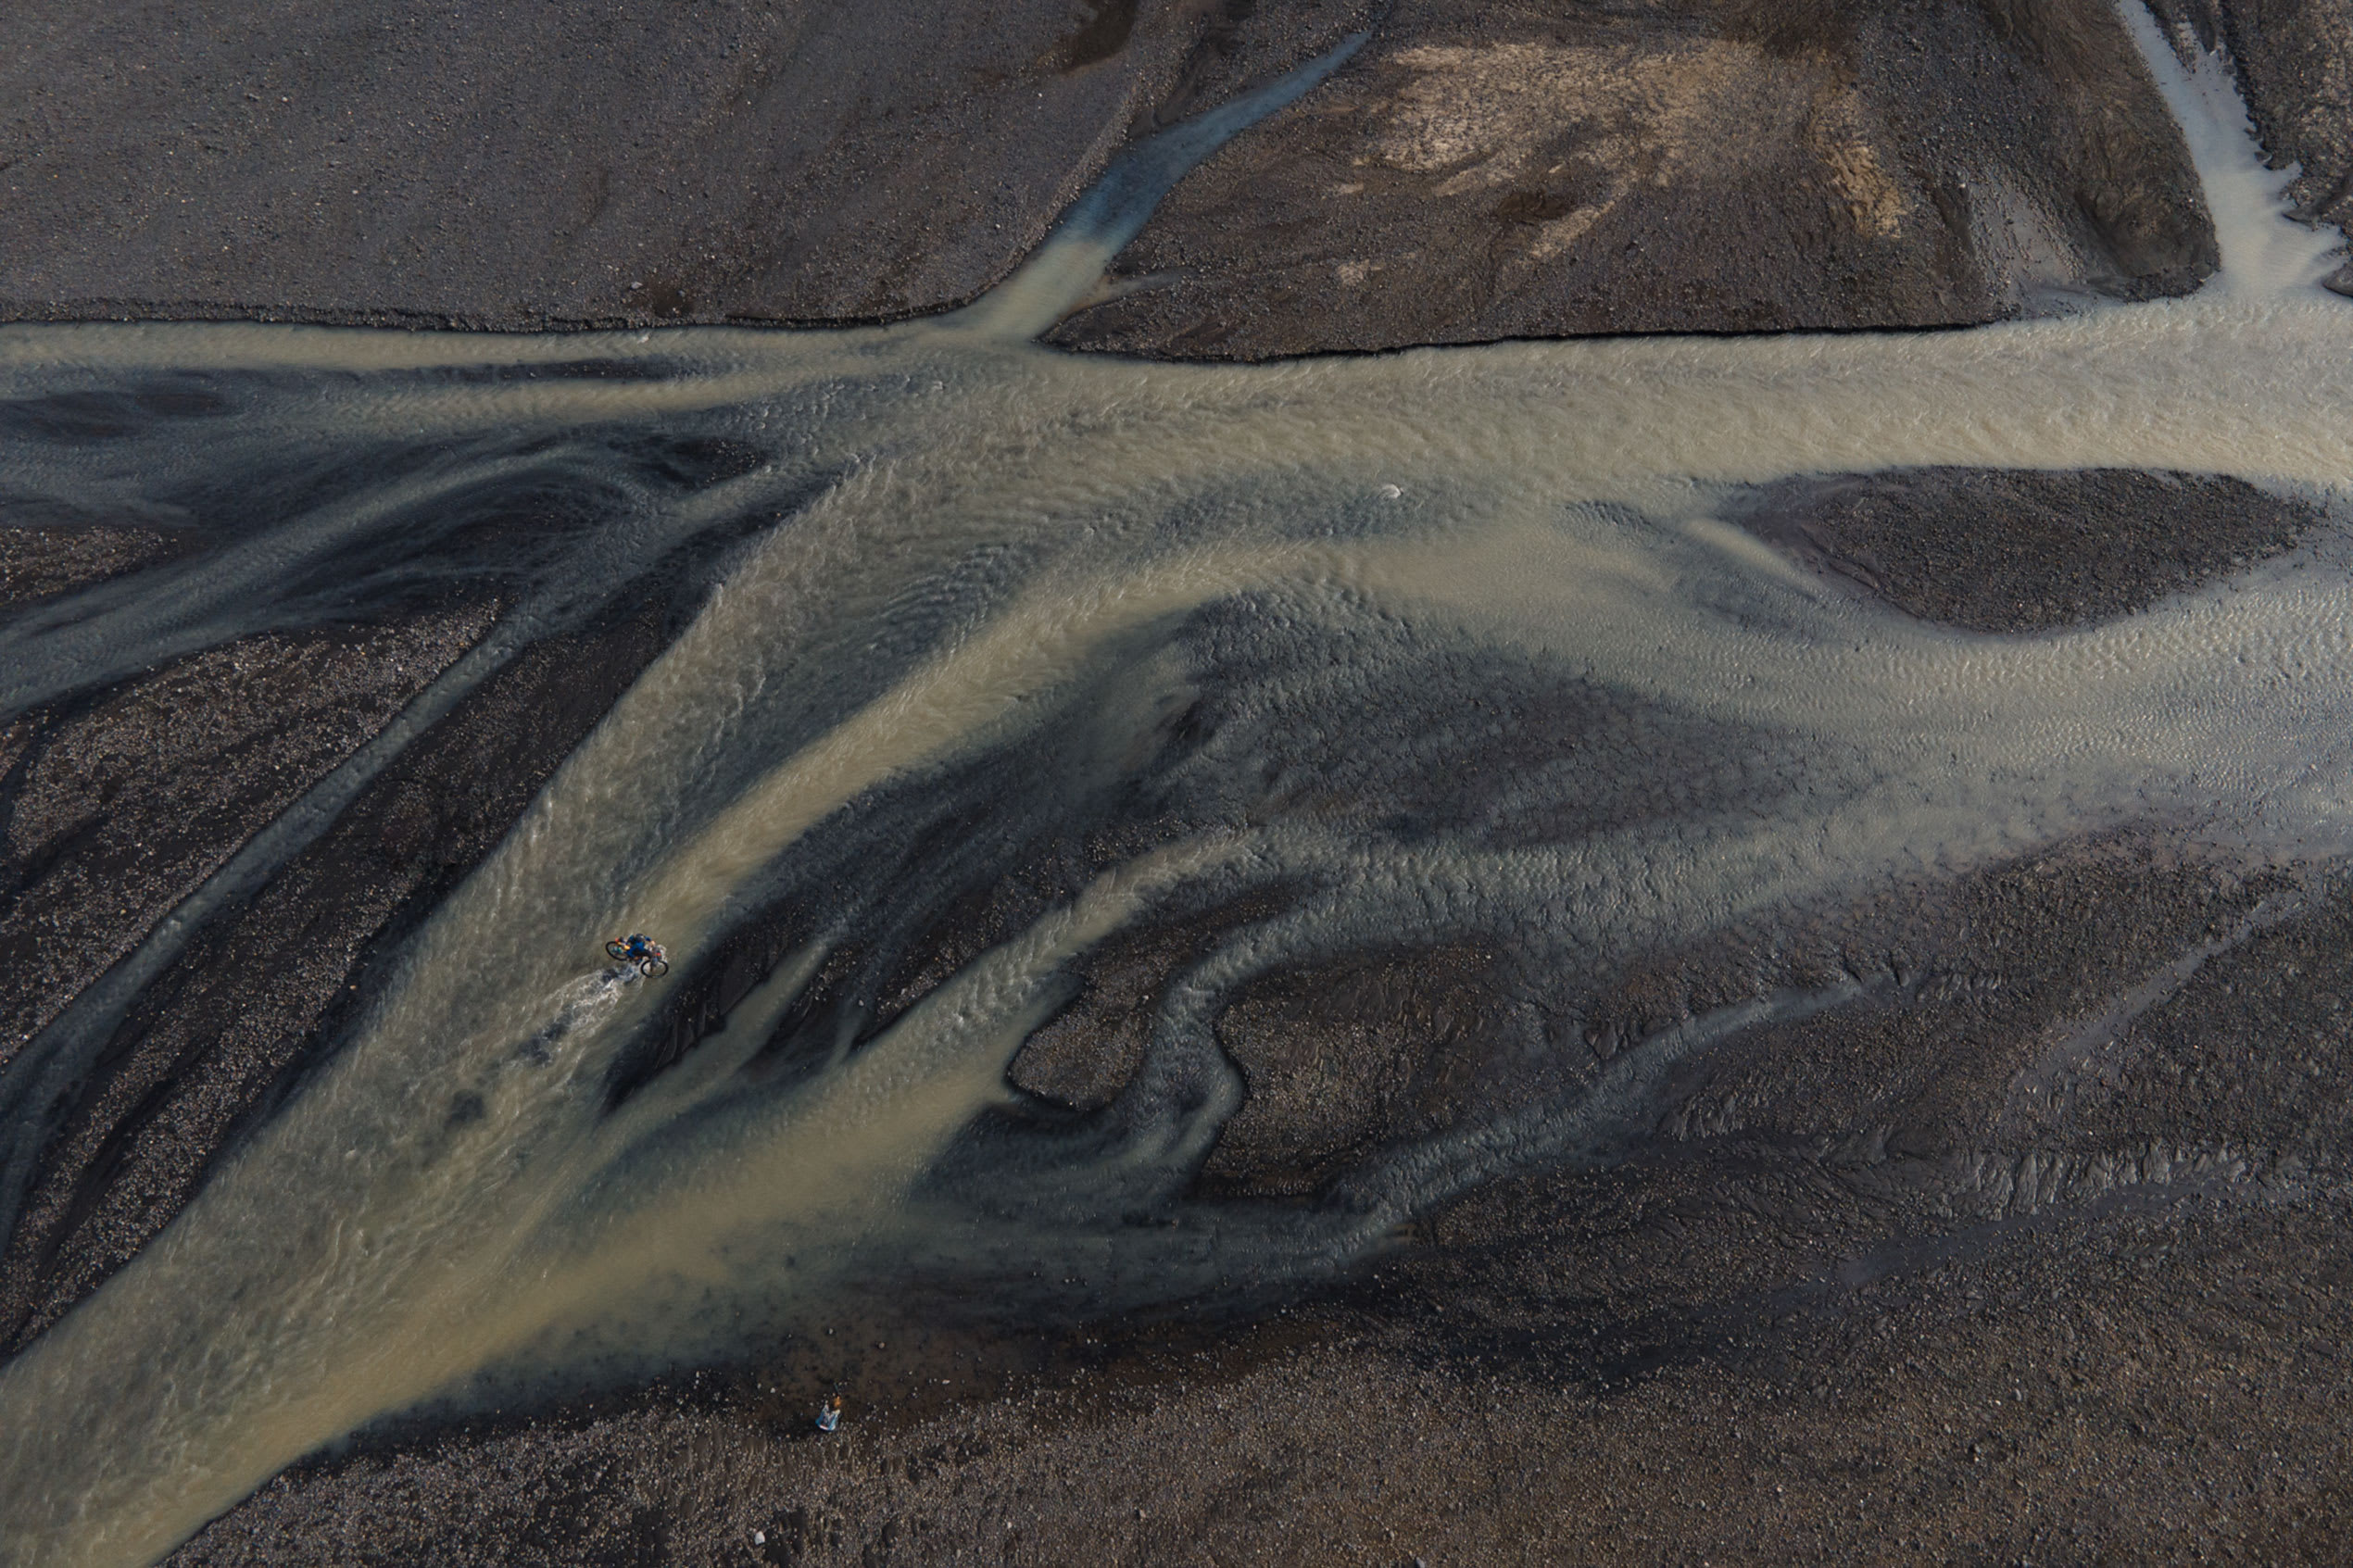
pixel 829 1415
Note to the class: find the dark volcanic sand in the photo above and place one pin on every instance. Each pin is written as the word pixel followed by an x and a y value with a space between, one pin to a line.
pixel 1710 165
pixel 1964 1272
pixel 528 165
pixel 2295 60
pixel 215 1040
pixel 1857 1302
pixel 1522 170
pixel 2026 551
pixel 2162 1389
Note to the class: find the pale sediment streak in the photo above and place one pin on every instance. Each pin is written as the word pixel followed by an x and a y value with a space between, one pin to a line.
pixel 2263 254
pixel 1070 264
pixel 1021 571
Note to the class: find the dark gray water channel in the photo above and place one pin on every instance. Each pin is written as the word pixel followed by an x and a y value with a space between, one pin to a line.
pixel 1230 647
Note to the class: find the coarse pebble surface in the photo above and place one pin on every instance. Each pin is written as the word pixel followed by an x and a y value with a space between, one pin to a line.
pixel 1961 1275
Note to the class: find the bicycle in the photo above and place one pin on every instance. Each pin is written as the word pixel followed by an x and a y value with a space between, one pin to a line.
pixel 649 962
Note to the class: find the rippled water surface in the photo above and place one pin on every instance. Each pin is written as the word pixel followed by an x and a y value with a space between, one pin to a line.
pixel 1209 639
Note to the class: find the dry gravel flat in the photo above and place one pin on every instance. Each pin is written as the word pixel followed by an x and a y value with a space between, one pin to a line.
pixel 1868 1298
pixel 1475 172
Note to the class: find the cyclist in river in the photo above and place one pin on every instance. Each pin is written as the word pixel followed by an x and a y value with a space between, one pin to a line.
pixel 641 950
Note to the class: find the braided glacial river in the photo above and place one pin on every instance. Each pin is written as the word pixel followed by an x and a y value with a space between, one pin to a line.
pixel 977 596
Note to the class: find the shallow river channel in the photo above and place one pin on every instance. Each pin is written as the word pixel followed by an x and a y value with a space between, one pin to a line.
pixel 1227 636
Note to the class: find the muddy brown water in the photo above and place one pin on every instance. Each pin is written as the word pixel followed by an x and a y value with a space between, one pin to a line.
pixel 994 595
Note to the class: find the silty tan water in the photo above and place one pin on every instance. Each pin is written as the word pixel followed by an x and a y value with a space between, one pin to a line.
pixel 455 1190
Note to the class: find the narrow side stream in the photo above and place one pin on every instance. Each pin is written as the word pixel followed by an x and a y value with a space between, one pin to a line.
pixel 990 601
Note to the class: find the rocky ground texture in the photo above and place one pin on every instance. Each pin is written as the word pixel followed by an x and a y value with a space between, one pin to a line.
pixel 2042 1251
pixel 1474 173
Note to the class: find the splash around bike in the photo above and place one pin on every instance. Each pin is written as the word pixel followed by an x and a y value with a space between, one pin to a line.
pixel 640 952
